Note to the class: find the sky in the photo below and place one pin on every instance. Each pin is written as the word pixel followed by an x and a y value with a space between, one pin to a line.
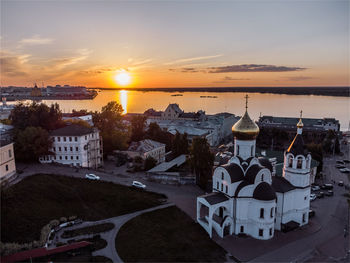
pixel 175 43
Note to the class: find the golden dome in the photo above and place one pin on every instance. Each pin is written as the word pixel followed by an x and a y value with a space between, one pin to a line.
pixel 300 124
pixel 245 129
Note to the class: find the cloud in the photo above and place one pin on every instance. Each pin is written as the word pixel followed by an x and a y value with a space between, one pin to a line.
pixel 299 78
pixel 185 60
pixel 61 63
pixel 229 79
pixel 35 40
pixel 185 70
pixel 12 65
pixel 253 68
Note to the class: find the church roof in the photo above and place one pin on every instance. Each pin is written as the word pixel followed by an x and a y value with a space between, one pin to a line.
pixel 264 192
pixel 234 171
pixel 240 187
pixel 245 128
pixel 297 146
pixel 281 185
pixel 215 198
pixel 252 172
pixel 265 162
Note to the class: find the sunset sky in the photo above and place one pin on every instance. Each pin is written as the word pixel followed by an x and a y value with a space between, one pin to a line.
pixel 175 44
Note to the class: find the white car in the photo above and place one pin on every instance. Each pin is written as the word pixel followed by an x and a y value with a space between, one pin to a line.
pixel 92 177
pixel 312 197
pixel 315 188
pixel 138 185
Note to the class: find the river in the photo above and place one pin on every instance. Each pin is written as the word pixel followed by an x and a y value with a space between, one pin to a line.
pixel 265 104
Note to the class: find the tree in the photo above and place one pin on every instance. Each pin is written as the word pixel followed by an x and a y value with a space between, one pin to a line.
pixel 36 115
pixel 155 133
pixel 31 143
pixel 114 133
pixel 138 124
pixel 150 162
pixel 316 154
pixel 180 144
pixel 201 161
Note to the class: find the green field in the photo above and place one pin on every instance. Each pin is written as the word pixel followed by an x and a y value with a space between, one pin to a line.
pixel 166 235
pixel 30 204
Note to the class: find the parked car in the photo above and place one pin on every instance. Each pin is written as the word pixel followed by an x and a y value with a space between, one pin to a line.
pixel 327 187
pixel 315 188
pixel 320 195
pixel 329 193
pixel 345 170
pixel 138 185
pixel 92 177
pixel 340 162
pixel 312 197
pixel 311 213
pixel 341 183
pixel 346 161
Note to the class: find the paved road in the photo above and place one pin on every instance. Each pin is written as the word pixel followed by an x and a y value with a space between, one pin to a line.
pixel 320 240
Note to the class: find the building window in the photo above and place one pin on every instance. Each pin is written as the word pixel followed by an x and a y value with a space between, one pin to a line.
pixel 53 139
pixel 77 148
pixel 71 157
pixel 261 232
pixel 242 229
pixel 70 139
pixel 222 175
pixel 76 139
pixel 60 157
pixel 272 211
pixel 226 189
pixel 66 157
pixel 85 137
pixel 71 149
pixel 10 153
pixel 222 187
pixel 305 197
pixel 59 139
pixel 299 163
pixel 65 149
pixel 237 149
pixel 261 212
pixel 54 149
pixel 270 231
pixel 59 148
pixel 77 158
pixel 64 139
pixel 304 218
pixel 54 158
pixel 251 151
pixel 7 167
pixel 262 178
pixel 217 185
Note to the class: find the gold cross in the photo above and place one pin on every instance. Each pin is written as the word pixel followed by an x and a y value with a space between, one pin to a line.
pixel 246 101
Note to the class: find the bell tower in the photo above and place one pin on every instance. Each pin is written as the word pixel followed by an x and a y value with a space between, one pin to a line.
pixel 297 160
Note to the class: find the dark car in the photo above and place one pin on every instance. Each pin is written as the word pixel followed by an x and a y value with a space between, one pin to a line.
pixel 346 161
pixel 341 183
pixel 329 193
pixel 340 162
pixel 327 187
pixel 320 195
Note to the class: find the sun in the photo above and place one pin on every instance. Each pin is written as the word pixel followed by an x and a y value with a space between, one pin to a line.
pixel 122 78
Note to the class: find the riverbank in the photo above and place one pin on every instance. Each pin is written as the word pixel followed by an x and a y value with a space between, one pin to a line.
pixel 321 91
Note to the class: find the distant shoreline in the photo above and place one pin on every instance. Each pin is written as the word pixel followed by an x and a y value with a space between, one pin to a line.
pixel 320 91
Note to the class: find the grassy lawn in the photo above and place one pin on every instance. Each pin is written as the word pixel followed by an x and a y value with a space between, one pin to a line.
pixel 88 230
pixel 166 235
pixel 30 204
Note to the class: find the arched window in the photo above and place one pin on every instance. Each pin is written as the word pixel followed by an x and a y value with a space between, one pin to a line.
pixel 271 212
pixel 299 162
pixel 262 178
pixel 222 175
pixel 251 150
pixel 237 149
pixel 217 185
pixel 261 212
pixel 290 161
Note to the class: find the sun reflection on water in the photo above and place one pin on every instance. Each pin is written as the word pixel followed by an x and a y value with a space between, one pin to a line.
pixel 124 100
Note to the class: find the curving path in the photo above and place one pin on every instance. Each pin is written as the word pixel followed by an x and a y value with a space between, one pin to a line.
pixel 110 236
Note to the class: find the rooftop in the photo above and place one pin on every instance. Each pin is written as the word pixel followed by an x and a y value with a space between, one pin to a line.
pixel 72 130
pixel 145 146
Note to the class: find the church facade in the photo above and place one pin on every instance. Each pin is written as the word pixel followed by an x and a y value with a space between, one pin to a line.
pixel 248 198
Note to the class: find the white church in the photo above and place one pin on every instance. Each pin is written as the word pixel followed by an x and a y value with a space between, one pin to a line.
pixel 248 198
